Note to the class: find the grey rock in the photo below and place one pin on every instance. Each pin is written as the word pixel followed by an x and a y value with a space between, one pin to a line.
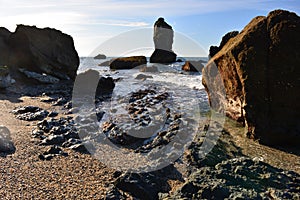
pixel 42 78
pixel 6 144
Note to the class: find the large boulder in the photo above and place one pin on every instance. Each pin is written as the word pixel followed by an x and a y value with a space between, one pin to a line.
pixel 259 69
pixel 128 62
pixel 45 50
pixel 163 41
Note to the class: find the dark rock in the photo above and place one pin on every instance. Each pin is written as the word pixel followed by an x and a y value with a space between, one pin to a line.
pixel 43 51
pixel 163 41
pixel 53 139
pixel 53 114
pixel 239 177
pixel 128 62
pixel 51 153
pixel 90 83
pixel 192 66
pixel 41 78
pixel 5 78
pixel 4 46
pixel 6 144
pixel 142 77
pixel 30 113
pixel 100 56
pixel 259 69
pixel 162 56
pixel 106 63
pixel 213 50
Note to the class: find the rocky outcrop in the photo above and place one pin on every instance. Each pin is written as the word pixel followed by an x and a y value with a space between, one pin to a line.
pixel 193 66
pixel 260 71
pixel 213 50
pixel 163 41
pixel 43 51
pixel 239 178
pixel 128 62
pixel 100 56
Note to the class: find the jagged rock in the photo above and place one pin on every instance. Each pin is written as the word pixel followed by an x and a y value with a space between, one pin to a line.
pixel 30 113
pixel 192 66
pixel 128 62
pixel 100 56
pixel 260 73
pixel 213 50
pixel 163 41
pixel 239 177
pixel 41 78
pixel 38 50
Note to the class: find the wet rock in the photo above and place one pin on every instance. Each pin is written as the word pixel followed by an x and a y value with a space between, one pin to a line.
pixel 254 66
pixel 128 62
pixel 6 144
pixel 30 113
pixel 152 68
pixel 142 77
pixel 192 66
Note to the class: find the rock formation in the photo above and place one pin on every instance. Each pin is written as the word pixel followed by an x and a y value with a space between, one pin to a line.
pixel 163 41
pixel 128 62
pixel 43 51
pixel 260 71
pixel 213 50
pixel 5 78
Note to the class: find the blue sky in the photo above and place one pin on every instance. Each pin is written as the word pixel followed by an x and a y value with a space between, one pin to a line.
pixel 93 22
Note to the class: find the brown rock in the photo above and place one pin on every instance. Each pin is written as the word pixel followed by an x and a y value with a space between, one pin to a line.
pixel 193 66
pixel 260 71
pixel 213 50
pixel 128 62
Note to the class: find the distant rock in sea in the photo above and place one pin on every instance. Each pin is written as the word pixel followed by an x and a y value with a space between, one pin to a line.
pixel 163 41
pixel 193 66
pixel 260 71
pixel 43 51
pixel 128 62
pixel 100 56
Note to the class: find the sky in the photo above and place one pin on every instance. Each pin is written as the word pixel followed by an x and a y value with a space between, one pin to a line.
pixel 93 23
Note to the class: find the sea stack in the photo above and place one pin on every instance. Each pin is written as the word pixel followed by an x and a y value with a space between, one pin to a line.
pixel 163 41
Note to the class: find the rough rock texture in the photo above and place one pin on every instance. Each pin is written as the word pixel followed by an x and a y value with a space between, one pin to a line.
pixel 5 78
pixel 213 50
pixel 240 178
pixel 128 62
pixel 45 50
pixel 260 71
pixel 163 41
pixel 192 66
pixel 41 78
